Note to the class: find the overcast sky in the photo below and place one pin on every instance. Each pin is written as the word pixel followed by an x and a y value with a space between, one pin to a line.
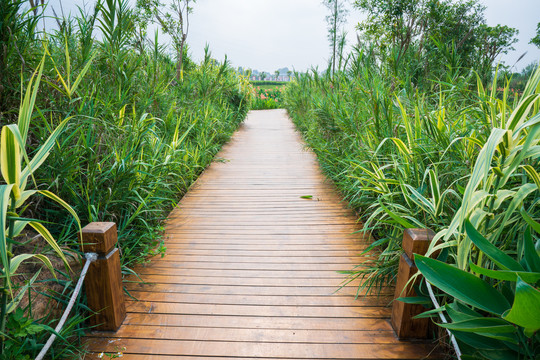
pixel 270 34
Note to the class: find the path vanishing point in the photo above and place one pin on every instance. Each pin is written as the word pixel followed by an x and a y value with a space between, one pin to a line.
pixel 250 272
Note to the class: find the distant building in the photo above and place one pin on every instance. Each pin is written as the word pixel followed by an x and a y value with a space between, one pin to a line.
pixel 283 75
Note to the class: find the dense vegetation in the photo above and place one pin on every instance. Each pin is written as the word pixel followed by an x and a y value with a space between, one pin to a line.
pixel 267 97
pixel 418 130
pixel 128 132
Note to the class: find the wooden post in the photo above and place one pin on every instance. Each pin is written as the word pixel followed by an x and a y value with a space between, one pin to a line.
pixel 415 241
pixel 103 283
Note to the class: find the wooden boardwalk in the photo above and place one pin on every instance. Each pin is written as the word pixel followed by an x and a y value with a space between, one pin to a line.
pixel 250 270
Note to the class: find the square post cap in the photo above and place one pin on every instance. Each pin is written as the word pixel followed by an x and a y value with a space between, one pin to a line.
pixel 417 241
pixel 99 237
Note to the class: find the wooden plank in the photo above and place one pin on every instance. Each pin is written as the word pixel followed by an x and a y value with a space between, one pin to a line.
pixel 300 274
pixel 246 281
pixel 258 349
pixel 258 310
pixel 245 290
pixel 173 357
pixel 258 322
pixel 256 246
pixel 266 253
pixel 253 335
pixel 269 259
pixel 268 300
pixel 162 264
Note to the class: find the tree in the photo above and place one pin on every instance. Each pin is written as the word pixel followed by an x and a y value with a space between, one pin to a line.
pixel 496 40
pixel 174 20
pixel 277 74
pixel 337 17
pixel 263 75
pixel 424 37
pixel 536 40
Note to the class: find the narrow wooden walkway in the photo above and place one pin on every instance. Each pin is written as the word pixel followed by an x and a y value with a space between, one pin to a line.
pixel 250 270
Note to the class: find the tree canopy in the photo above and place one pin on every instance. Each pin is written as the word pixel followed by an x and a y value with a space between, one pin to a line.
pixel 425 35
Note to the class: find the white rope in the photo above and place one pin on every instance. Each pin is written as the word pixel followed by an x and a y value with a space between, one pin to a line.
pixel 443 319
pixel 90 258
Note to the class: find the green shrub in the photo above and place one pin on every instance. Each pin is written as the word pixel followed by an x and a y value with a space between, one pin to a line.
pixel 267 98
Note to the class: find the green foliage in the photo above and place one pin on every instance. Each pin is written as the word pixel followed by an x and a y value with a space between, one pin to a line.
pixel 418 39
pixel 536 39
pixel 490 236
pixel 267 98
pixel 13 195
pixel 17 34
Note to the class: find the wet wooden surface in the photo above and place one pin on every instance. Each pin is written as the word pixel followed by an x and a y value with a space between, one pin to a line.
pixel 251 266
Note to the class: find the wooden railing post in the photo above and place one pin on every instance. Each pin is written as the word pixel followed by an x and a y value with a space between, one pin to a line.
pixel 104 279
pixel 415 241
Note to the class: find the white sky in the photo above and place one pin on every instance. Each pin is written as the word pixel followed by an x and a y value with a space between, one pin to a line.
pixel 271 34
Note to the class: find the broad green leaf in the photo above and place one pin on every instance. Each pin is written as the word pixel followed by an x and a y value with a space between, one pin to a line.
pixel 435 191
pixel 25 195
pixel 533 153
pixel 397 218
pixel 457 220
pixel 481 171
pixel 19 259
pixel 533 224
pixel 399 144
pixel 459 312
pixel 10 159
pixel 49 238
pixel 437 246
pixel 18 138
pixel 27 105
pixel 422 300
pixel 517 202
pixel 494 354
pixel 522 152
pixel 462 285
pixel 481 325
pixel 64 204
pixel 479 342
pixel 43 151
pixel 531 256
pixel 501 196
pixel 430 313
pixel 533 174
pixel 83 73
pixel 508 275
pixel 532 83
pixel 5 192
pixel 421 201
pixel 18 226
pixel 402 147
pixel 519 115
pixel 498 256
pixel 525 310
